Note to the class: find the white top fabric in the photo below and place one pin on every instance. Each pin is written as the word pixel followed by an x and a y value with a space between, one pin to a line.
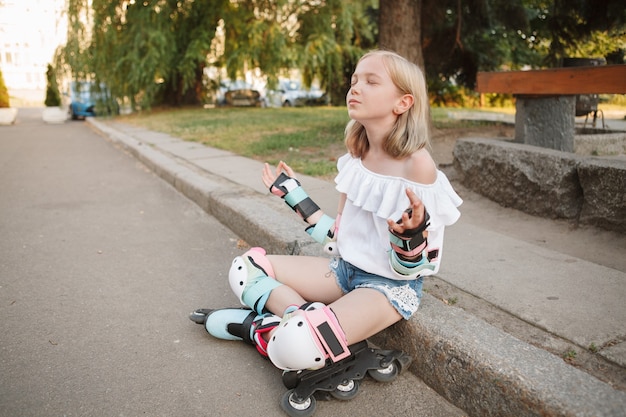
pixel 363 237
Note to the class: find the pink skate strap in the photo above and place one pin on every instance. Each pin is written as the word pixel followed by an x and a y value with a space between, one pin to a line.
pixel 327 329
pixel 265 324
pixel 259 342
pixel 257 256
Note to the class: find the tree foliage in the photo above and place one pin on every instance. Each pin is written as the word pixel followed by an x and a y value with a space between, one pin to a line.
pixel 153 52
pixel 257 35
pixel 331 38
pixel 463 37
pixel 53 95
pixel 150 52
pixel 587 29
pixel 4 93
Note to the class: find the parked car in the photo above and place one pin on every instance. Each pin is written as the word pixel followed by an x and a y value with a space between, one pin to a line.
pixel 82 100
pixel 244 97
pixel 86 99
pixel 239 94
pixel 292 94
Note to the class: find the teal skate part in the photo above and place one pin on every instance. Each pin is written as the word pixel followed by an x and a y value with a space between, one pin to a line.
pixel 257 292
pixel 289 189
pixel 250 279
pixel 241 324
pixel 323 231
pixel 231 324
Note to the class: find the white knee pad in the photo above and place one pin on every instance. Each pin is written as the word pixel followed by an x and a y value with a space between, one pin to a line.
pixel 306 338
pixel 251 279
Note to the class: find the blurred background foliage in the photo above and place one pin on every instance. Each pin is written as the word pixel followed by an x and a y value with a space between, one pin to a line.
pixel 155 52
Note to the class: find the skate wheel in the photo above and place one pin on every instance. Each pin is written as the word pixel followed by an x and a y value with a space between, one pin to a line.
pixel 295 408
pixel 346 391
pixel 387 374
pixel 291 379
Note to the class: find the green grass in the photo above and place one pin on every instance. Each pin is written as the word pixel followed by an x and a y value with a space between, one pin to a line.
pixel 569 355
pixel 308 139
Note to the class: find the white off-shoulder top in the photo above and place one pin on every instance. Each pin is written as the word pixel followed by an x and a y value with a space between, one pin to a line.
pixel 363 238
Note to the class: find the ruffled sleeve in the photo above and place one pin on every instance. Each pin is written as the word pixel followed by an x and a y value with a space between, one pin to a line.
pixel 385 195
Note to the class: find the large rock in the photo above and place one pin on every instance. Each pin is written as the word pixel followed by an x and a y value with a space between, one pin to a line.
pixel 535 180
pixel 600 144
pixel 604 185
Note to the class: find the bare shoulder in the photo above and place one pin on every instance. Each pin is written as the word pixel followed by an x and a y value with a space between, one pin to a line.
pixel 421 168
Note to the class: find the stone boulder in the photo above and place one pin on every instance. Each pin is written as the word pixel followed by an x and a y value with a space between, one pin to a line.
pixel 603 181
pixel 535 180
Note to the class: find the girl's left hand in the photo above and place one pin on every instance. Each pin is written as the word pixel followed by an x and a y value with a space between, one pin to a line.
pixel 412 218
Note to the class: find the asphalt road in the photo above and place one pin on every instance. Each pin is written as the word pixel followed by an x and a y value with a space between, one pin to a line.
pixel 100 264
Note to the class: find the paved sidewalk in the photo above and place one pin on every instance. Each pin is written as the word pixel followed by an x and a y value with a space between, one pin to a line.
pixel 611 120
pixel 495 255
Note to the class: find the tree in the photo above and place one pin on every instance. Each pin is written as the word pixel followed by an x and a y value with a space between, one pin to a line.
pixel 72 60
pixel 330 39
pixel 400 28
pixel 150 52
pixel 460 38
pixel 321 38
pixel 585 29
pixel 193 26
pixel 259 34
pixel 4 93
pixel 154 52
pixel 53 96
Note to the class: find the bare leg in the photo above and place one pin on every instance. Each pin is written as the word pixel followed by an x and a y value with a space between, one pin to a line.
pixel 306 278
pixel 364 312
pixel 361 313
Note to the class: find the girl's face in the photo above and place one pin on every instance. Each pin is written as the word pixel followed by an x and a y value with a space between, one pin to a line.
pixel 372 96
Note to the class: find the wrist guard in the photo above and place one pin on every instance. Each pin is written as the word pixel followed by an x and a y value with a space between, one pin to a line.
pixel 410 244
pixel 323 230
pixel 289 189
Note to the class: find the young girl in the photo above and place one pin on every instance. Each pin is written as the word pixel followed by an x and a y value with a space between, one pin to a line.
pixel 388 234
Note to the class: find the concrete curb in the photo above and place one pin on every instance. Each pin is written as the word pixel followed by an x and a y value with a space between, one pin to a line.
pixel 474 365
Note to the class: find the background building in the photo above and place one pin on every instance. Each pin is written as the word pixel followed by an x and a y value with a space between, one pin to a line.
pixel 30 31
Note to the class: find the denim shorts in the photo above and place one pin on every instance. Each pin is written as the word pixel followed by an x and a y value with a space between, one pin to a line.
pixel 404 295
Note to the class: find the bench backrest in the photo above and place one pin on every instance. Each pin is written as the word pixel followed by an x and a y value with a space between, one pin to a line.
pixel 607 79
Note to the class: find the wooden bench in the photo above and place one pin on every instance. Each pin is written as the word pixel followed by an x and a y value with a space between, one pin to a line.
pixel 545 107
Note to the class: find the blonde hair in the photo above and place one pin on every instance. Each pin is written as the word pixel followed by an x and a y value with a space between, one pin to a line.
pixel 411 130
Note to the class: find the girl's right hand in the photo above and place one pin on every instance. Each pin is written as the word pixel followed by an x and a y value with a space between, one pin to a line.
pixel 269 176
pixel 412 218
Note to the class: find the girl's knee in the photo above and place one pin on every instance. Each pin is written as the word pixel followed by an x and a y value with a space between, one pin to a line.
pixel 306 338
